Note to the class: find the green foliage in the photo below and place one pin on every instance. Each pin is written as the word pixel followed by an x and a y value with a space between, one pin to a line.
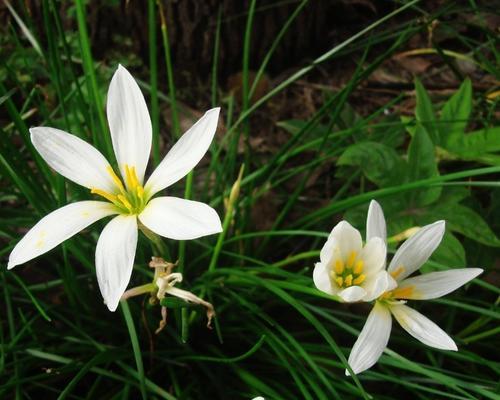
pixel 274 335
pixel 381 164
pixel 421 165
pixel 455 116
pixel 424 112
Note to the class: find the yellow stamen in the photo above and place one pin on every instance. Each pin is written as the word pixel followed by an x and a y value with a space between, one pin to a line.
pixel 398 271
pixel 108 196
pixel 339 281
pixel 128 177
pixel 359 267
pixel 339 266
pixel 351 259
pixel 115 178
pixel 404 292
pixel 140 192
pixel 125 202
pixel 131 177
pixel 359 279
pixel 348 280
pixel 332 275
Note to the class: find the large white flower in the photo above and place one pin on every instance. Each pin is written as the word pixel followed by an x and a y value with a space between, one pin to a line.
pixel 409 258
pixel 350 270
pixel 129 197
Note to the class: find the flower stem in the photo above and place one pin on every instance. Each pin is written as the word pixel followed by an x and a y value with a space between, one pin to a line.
pixel 159 246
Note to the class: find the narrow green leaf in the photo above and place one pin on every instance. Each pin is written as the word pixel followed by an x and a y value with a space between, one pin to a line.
pixel 32 298
pixel 26 32
pixel 135 346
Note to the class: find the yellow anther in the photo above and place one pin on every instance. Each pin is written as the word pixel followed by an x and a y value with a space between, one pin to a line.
pixel 398 271
pixel 128 177
pixel 108 196
pixel 131 177
pixel 339 266
pixel 332 275
pixel 339 281
pixel 115 178
pixel 351 259
pixel 348 280
pixel 358 268
pixel 360 279
pixel 125 202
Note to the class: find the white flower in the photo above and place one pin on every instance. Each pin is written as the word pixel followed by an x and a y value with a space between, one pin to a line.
pixel 349 270
pixel 129 197
pixel 409 258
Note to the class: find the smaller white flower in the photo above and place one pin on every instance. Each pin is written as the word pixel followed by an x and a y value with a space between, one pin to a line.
pixel 350 270
pixel 408 259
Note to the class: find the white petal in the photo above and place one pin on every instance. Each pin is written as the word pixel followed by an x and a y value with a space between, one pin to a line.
pixel 322 280
pixel 372 340
pixel 347 237
pixel 416 250
pixel 73 158
pixel 352 294
pixel 328 251
pixel 378 285
pixel 57 227
pixel 373 256
pixel 129 123
pixel 375 222
pixel 422 328
pixel 180 219
pixel 114 258
pixel 436 284
pixel 185 154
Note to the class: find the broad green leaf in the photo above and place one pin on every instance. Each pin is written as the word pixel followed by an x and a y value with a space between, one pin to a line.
pixel 422 165
pixel 478 143
pixel 463 220
pixel 381 164
pixel 424 112
pixel 453 195
pixel 455 115
pixel 450 253
pixel 409 123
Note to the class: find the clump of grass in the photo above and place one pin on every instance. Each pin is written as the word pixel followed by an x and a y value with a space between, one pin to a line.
pixel 276 335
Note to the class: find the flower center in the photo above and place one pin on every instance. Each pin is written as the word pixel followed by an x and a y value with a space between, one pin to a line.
pixel 130 200
pixel 346 273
